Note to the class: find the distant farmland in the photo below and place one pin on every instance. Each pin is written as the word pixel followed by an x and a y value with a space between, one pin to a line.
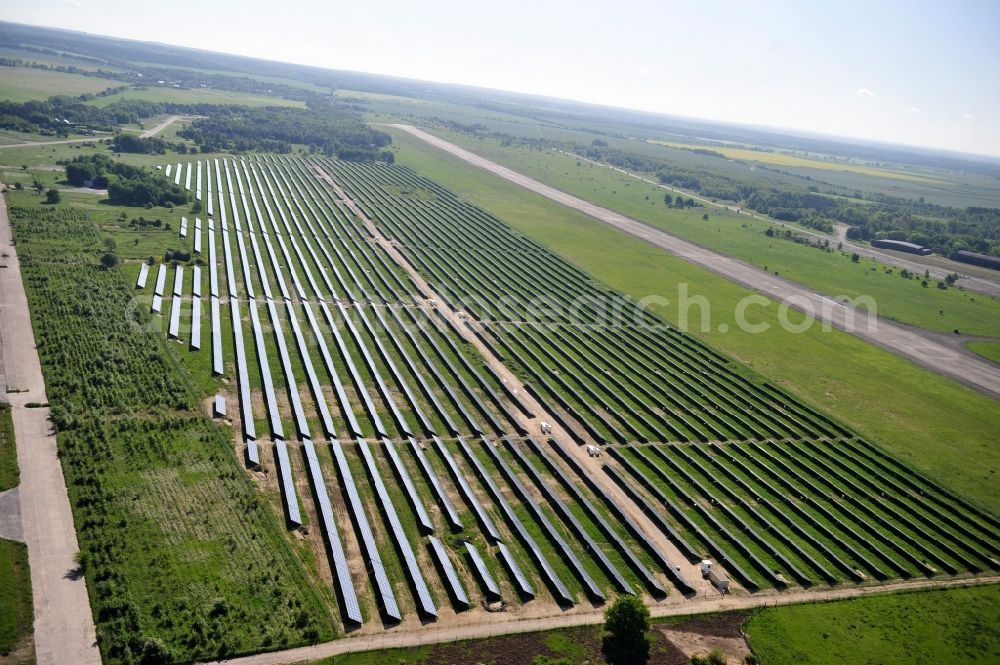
pixel 22 84
pixel 786 159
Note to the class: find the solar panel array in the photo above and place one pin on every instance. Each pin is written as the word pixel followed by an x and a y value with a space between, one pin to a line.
pixel 392 387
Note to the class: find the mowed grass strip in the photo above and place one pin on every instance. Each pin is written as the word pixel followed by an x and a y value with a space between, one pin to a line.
pixel 924 419
pixel 9 473
pixel 989 350
pixel 168 95
pixel 943 626
pixel 15 610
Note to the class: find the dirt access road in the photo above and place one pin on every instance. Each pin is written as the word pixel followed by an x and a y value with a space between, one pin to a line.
pixel 653 534
pixel 64 625
pixel 426 635
pixel 923 349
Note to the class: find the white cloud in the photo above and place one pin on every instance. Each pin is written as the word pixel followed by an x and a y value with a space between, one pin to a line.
pixel 866 93
pixel 913 109
pixel 72 3
pixel 967 115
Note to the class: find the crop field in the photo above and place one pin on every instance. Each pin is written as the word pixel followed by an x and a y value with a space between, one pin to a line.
pixel 786 159
pixel 386 353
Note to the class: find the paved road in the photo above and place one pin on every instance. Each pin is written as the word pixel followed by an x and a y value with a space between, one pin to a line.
pixel 924 349
pixel 10 515
pixel 163 125
pixel 988 285
pixel 64 625
pixel 428 635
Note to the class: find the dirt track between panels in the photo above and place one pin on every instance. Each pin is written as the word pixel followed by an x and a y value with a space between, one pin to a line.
pixel 912 344
pixel 531 424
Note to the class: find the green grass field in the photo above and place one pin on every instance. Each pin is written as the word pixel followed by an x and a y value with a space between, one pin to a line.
pixel 739 236
pixel 196 96
pixel 15 579
pixel 951 626
pixel 990 350
pixel 15 611
pixel 8 453
pixel 22 84
pixel 924 419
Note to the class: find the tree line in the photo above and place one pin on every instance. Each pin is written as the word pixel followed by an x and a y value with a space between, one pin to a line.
pixel 333 131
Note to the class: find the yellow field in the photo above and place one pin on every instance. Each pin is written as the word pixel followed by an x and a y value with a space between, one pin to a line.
pixel 786 159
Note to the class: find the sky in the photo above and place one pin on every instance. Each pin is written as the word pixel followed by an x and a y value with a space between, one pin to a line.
pixel 910 72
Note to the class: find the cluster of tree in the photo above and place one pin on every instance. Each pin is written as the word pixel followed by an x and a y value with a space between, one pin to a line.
pixel 706 152
pixel 330 130
pixel 141 222
pixel 57 115
pixel 943 229
pixel 148 146
pixel 679 202
pixel 177 255
pixel 127 185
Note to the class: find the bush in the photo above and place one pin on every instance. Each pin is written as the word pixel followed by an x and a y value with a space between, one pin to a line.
pixel 52 196
pixel 713 657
